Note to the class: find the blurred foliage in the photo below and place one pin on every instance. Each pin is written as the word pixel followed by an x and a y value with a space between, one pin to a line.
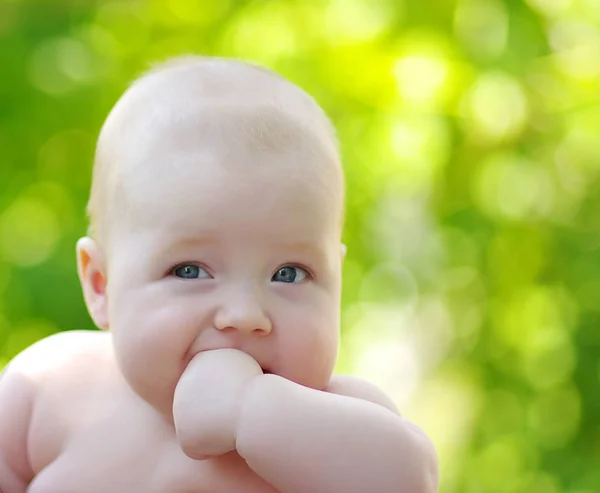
pixel 470 138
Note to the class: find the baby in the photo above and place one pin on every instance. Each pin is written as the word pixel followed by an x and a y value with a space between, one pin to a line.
pixel 214 264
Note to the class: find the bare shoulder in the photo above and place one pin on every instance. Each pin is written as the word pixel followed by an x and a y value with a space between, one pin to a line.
pixel 352 386
pixel 60 353
pixel 53 381
pixel 22 384
pixel 17 396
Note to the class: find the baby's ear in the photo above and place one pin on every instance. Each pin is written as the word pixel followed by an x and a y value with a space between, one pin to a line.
pixel 92 275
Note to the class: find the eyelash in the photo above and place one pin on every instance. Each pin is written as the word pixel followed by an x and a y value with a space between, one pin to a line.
pixel 309 274
pixel 171 272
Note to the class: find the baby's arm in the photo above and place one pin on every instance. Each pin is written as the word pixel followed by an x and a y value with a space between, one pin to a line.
pixel 16 402
pixel 299 439
pixel 347 438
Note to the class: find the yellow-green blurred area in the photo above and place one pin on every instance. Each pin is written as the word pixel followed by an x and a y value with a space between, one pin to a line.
pixel 470 132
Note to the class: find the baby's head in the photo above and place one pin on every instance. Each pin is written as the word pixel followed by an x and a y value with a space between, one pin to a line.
pixel 215 221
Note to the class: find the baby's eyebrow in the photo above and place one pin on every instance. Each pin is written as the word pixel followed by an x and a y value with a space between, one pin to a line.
pixel 194 241
pixel 301 247
pixel 184 243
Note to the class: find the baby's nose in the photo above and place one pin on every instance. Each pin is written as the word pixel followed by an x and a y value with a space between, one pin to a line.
pixel 245 313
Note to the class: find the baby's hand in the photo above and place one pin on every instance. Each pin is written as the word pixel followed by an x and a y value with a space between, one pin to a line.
pixel 208 399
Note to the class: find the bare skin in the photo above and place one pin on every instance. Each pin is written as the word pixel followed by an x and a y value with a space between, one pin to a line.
pixel 85 422
pixel 88 422
pixel 217 276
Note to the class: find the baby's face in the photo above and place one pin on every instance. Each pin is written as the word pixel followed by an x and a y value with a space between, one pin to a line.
pixel 223 248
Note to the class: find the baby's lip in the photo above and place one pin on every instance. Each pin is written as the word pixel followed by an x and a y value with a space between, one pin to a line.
pixel 266 370
pixel 192 352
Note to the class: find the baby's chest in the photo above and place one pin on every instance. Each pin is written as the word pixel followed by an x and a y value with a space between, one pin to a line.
pixel 134 457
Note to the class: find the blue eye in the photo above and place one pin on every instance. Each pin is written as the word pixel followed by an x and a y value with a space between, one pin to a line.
pixel 290 274
pixel 190 271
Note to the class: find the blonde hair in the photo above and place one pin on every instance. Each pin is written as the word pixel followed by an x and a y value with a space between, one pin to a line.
pixel 269 111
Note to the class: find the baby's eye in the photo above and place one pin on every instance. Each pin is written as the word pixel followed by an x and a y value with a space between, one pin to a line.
pixel 290 274
pixel 190 271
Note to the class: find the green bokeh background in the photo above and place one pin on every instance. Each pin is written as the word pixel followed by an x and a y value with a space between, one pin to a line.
pixel 469 131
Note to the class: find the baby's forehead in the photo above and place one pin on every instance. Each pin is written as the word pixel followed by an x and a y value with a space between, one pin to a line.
pixel 222 110
pixel 245 148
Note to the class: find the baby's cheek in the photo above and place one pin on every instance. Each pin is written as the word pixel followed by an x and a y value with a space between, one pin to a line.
pixel 150 346
pixel 311 351
pixel 167 332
